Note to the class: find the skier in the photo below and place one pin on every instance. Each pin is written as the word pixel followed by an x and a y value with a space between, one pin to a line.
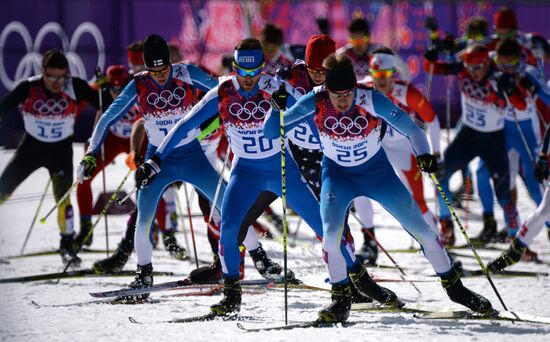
pixel 243 102
pixel 535 221
pixel 164 93
pixel 49 103
pixel 272 42
pixel 481 135
pixel 351 121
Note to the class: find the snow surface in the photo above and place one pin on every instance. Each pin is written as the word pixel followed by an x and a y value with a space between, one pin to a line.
pixel 22 321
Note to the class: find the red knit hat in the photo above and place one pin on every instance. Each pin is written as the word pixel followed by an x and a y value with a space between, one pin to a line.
pixel 505 18
pixel 317 49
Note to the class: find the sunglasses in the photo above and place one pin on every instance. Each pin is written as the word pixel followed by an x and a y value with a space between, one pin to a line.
pixel 476 37
pixel 248 72
pixel 381 73
pixel 502 36
pixel 359 40
pixel 271 49
pixel 59 79
pixel 315 71
pixel 338 96
pixel 159 72
pixel 508 65
pixel 474 67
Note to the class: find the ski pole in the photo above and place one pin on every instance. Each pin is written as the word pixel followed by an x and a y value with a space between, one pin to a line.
pixel 283 198
pixel 371 235
pixel 183 226
pixel 98 75
pixel 61 200
pixel 120 201
pixel 191 224
pixel 36 215
pixel 457 220
pixel 218 188
pixel 102 213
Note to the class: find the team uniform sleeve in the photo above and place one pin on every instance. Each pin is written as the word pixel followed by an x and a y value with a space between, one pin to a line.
pixel 401 121
pixel 84 92
pixel 297 113
pixel 201 79
pixel 202 111
pixel 120 106
pixel 417 102
pixel 543 90
pixel 13 99
pixel 546 142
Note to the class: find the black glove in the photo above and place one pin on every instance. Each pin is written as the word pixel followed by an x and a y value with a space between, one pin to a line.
pixel 284 72
pixel 527 84
pixel 427 163
pixel 323 25
pixel 506 84
pixel 541 169
pixel 86 167
pixel 448 44
pixel 101 80
pixel 431 55
pixel 279 97
pixel 147 171
pixel 431 23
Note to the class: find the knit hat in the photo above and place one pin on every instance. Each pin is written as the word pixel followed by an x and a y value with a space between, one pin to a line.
pixel 317 49
pixel 340 80
pixel 118 75
pixel 155 51
pixel 505 18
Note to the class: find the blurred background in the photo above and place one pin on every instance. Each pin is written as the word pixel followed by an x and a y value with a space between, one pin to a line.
pixel 96 33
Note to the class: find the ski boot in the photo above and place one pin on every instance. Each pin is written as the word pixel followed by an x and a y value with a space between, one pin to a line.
pixel 508 258
pixel 530 256
pixel 115 263
pixel 488 233
pixel 364 283
pixel 369 251
pixel 67 251
pixel 268 268
pixel 230 305
pixel 172 246
pixel 504 236
pixel 207 274
pixel 144 278
pixel 447 231
pixel 458 293
pixel 85 231
pixel 356 296
pixel 338 310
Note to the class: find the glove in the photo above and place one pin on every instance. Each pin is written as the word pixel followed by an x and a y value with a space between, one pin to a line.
pixel 323 25
pixel 527 84
pixel 279 97
pixel 431 55
pixel 541 169
pixel 506 84
pixel 101 80
pixel 134 160
pixel 86 167
pixel 431 23
pixel 427 163
pixel 448 44
pixel 146 172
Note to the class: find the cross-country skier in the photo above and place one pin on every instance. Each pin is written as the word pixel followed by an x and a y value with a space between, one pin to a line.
pixel 351 120
pixel 243 102
pixel 48 106
pixel 272 42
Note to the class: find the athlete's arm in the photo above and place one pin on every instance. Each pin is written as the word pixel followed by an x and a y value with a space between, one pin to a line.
pixel 84 92
pixel 297 113
pixel 120 106
pixel 541 88
pixel 201 79
pixel 17 96
pixel 202 111
pixel 417 102
pixel 401 121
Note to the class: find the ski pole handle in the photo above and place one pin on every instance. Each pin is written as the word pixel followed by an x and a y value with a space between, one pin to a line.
pixel 61 200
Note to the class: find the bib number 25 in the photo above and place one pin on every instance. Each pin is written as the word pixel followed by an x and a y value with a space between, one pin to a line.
pixel 351 156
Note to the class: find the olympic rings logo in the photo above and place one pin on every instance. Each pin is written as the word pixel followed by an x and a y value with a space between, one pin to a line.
pixel 50 106
pixel 249 110
pixel 346 125
pixel 167 98
pixel 31 63
pixel 474 90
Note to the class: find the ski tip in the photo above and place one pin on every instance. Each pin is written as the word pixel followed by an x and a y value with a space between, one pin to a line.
pixel 131 319
pixel 36 305
pixel 240 326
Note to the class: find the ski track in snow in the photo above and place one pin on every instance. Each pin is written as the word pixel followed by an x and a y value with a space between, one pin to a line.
pixel 22 321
